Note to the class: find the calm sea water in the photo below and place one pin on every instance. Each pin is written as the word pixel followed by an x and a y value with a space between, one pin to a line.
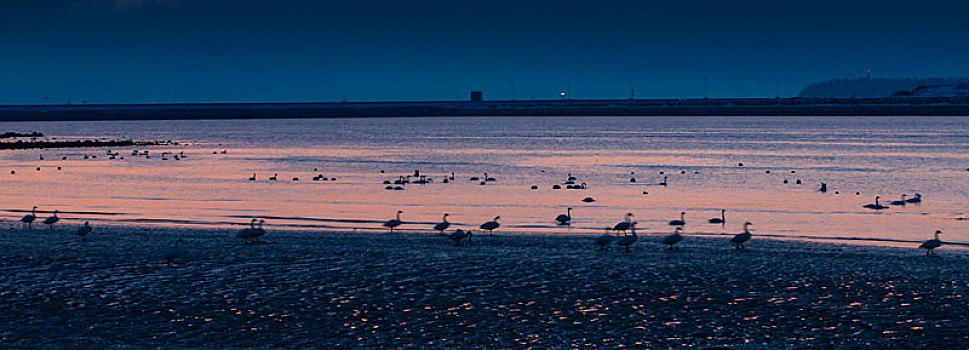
pixel 884 156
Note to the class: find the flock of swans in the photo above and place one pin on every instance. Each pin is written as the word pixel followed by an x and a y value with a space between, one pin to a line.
pixel 617 235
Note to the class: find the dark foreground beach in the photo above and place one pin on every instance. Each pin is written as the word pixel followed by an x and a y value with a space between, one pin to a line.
pixel 417 290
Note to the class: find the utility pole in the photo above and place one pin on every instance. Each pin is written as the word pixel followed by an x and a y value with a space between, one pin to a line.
pixel 704 79
pixel 512 82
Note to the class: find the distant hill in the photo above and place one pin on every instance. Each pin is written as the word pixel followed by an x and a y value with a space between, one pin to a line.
pixel 876 87
pixel 949 90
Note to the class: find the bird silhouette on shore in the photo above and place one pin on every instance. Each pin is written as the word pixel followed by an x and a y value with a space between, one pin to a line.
pixel 742 238
pixel 931 244
pixel 83 231
pixel 29 218
pixel 393 223
pixel 624 225
pixel 173 253
pixel 51 220
pixel 626 241
pixel 490 226
pixel 458 235
pixel 443 225
pixel 604 240
pixel 674 238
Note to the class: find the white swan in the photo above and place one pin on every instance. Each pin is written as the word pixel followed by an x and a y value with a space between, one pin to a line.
pixel 674 238
pixel 443 225
pixel 681 221
pixel 51 220
pixel 742 238
pixel 490 226
pixel 83 231
pixel 931 244
pixel 625 224
pixel 393 223
pixel 29 218
pixel 722 219
pixel 565 219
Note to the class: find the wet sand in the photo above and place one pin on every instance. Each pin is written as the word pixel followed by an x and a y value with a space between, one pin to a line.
pixel 417 290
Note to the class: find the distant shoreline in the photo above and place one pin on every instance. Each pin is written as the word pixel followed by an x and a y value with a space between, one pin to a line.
pixel 79 144
pixel 893 106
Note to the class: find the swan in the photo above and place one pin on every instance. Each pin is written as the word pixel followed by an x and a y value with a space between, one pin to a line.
pixel 29 218
pixel 83 231
pixel 572 178
pixel 605 239
pixel 721 220
pixel 443 225
pixel 459 235
pixel 247 233
pixel 486 178
pixel 253 177
pixel 259 231
pixel 916 199
pixel 392 223
pixel 681 221
pixel 674 238
pixel 174 252
pixel 491 225
pixel 565 219
pixel 899 202
pixel 664 183
pixel 876 205
pixel 932 243
pixel 625 224
pixel 273 178
pixel 626 241
pixel 741 238
pixel 51 220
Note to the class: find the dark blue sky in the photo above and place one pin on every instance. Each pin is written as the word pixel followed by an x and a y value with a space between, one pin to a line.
pixel 121 51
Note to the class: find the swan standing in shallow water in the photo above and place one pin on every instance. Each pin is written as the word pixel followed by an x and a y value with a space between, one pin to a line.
pixel 722 219
pixel 29 218
pixel 626 241
pixel 876 205
pixel 674 238
pixel 681 221
pixel 490 226
pixel 51 220
pixel 443 225
pixel 742 238
pixel 83 231
pixel 931 244
pixel 459 235
pixel 393 223
pixel 565 219
pixel 625 224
